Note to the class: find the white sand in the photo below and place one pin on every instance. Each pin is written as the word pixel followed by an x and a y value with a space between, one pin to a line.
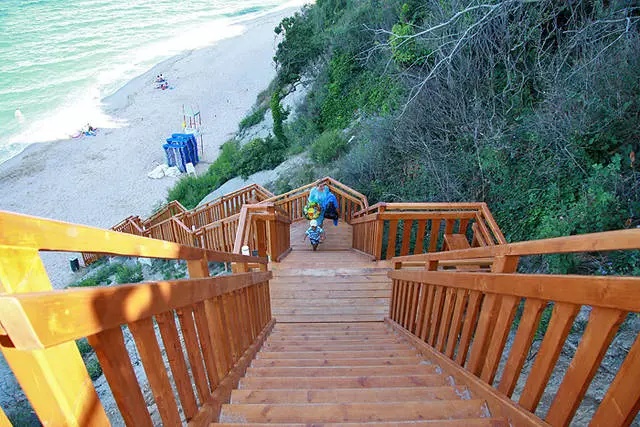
pixel 100 180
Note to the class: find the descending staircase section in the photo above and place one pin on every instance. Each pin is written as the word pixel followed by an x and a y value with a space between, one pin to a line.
pixel 333 284
pixel 349 372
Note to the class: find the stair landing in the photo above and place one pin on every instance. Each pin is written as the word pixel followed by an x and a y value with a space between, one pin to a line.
pixel 332 284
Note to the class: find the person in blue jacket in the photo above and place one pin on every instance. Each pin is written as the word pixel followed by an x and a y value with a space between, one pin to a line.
pixel 323 196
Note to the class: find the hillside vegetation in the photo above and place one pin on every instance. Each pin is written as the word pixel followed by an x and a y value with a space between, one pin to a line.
pixel 532 106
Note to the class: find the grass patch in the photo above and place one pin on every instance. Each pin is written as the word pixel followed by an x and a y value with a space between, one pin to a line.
pixel 255 117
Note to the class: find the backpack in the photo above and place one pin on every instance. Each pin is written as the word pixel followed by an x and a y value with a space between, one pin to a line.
pixel 331 212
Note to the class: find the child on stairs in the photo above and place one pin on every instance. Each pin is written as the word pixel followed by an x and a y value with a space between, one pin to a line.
pixel 316 234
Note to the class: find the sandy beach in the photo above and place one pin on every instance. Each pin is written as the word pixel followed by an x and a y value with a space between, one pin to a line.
pixel 100 180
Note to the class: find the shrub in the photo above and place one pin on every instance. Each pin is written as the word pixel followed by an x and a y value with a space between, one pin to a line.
pixel 127 274
pixel 190 190
pixel 328 147
pixel 279 115
pixel 260 154
pixel 93 368
pixel 255 117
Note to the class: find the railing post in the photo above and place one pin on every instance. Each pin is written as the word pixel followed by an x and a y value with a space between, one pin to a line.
pixel 55 379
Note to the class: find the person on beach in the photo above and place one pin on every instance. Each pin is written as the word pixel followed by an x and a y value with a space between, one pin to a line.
pixel 323 196
pixel 315 233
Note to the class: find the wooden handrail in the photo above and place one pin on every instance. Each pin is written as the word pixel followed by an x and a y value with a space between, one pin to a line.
pixel 604 241
pixel 40 320
pixel 220 319
pixel 467 316
pixel 48 235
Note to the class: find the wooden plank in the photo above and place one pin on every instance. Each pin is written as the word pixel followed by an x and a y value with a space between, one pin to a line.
pixel 206 344
pixel 422 224
pixel 145 337
pixel 342 371
pixel 521 345
pixel 406 236
pixel 293 383
pixel 391 243
pixel 336 354
pixel 67 396
pixel 617 292
pixel 171 340
pixel 219 328
pixel 453 215
pixel 438 302
pixel 469 325
pixel 605 241
pixel 622 401
pixel 60 316
pixel 484 330
pixel 559 327
pixel 44 234
pixel 433 234
pixel 116 365
pixel 506 314
pixel 447 312
pixel 185 316
pixel 601 329
pixel 499 405
pixel 374 361
pixel 345 412
pixel 399 394
pixel 421 308
pixel 424 333
pixel 456 322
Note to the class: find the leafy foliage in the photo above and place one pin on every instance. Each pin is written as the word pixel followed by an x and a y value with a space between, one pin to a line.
pixel 260 154
pixel 255 117
pixel 328 147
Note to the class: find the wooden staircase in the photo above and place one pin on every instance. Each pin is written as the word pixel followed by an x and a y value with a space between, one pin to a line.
pixel 357 373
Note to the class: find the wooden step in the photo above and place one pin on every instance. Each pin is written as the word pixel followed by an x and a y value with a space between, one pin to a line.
pixel 343 354
pixel 315 302
pixel 390 361
pixel 329 342
pixel 470 422
pixel 324 294
pixel 259 383
pixel 357 395
pixel 344 371
pixel 311 318
pixel 329 327
pixel 334 347
pixel 341 335
pixel 363 412
pixel 325 272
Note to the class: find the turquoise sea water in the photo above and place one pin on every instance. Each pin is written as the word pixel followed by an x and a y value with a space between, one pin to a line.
pixel 59 58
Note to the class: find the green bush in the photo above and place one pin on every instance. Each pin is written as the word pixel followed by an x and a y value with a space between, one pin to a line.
pixel 255 117
pixel 260 154
pixel 84 347
pixel 127 274
pixel 108 273
pixel 279 115
pixel 328 147
pixel 190 190
pixel 94 368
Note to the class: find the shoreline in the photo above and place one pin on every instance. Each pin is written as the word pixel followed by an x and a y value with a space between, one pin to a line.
pixel 100 180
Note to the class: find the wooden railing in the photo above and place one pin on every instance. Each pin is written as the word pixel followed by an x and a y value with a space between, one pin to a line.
pixel 167 211
pixel 293 202
pixel 221 323
pixel 386 230
pixel 227 205
pixel 264 228
pixel 467 316
pixel 174 223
